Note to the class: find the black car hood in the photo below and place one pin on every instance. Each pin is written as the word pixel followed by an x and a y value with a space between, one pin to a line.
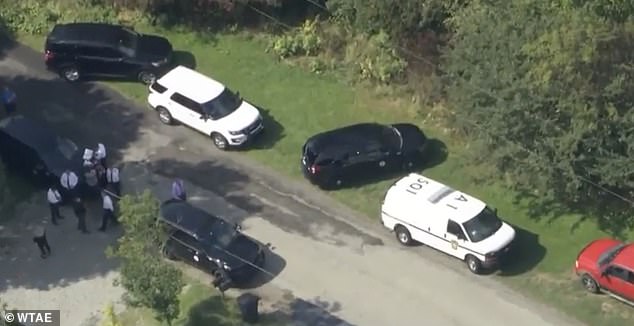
pixel 153 48
pixel 413 137
pixel 241 251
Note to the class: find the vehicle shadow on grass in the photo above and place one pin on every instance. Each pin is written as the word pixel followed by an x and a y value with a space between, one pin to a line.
pixel 526 252
pixel 435 154
pixel 272 133
pixel 184 58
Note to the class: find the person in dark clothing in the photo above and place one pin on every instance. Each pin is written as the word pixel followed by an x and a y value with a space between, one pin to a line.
pixel 9 99
pixel 80 213
pixel 41 241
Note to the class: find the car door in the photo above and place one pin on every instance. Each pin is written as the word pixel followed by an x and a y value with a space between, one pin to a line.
pixel 184 110
pixel 187 248
pixel 620 281
pixel 456 239
pixel 89 60
pixel 114 63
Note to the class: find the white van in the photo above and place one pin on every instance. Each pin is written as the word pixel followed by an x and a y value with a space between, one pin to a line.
pixel 199 102
pixel 420 209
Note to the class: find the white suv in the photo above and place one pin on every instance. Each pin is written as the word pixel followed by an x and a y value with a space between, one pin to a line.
pixel 206 105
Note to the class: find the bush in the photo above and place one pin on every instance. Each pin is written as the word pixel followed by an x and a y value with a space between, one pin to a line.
pixel 37 17
pixel 373 58
pixel 304 40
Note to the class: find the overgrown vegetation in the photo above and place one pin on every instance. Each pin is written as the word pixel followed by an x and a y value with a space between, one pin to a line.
pixel 149 280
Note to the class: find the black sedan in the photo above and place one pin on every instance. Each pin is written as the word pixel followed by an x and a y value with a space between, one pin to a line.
pixel 360 151
pixel 36 152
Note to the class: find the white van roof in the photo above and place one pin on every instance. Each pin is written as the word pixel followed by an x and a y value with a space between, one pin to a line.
pixel 192 84
pixel 420 192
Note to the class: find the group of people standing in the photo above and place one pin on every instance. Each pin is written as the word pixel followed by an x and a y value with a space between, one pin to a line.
pixel 98 176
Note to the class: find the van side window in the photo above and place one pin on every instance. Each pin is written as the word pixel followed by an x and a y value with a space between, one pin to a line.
pixel 455 229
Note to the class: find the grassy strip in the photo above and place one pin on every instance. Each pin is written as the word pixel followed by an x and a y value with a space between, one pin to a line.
pixel 300 104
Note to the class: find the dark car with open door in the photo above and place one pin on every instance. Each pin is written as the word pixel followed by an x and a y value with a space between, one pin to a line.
pixel 210 243
pixel 358 152
pixel 36 152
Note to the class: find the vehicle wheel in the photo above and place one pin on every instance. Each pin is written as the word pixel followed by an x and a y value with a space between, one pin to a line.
pixel 216 274
pixel 146 77
pixel 70 73
pixel 589 283
pixel 402 235
pixel 219 141
pixel 164 115
pixel 474 264
pixel 168 254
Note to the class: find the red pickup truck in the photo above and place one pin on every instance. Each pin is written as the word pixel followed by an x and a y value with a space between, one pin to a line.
pixel 607 265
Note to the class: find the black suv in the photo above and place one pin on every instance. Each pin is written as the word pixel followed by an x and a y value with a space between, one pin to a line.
pixel 36 152
pixel 210 243
pixel 359 151
pixel 82 49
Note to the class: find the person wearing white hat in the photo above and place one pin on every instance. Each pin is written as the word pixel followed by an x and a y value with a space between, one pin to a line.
pixel 39 237
pixel 100 154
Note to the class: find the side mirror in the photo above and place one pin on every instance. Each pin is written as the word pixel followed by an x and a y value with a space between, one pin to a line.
pixel 495 211
pixel 238 227
pixel 238 94
pixel 204 117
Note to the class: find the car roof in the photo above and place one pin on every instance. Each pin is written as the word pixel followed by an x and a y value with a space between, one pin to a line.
pixel 444 200
pixel 187 217
pixel 88 33
pixel 41 139
pixel 192 84
pixel 352 137
pixel 625 258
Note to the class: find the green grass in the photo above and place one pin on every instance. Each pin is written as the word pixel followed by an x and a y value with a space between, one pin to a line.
pixel 305 103
pixel 13 190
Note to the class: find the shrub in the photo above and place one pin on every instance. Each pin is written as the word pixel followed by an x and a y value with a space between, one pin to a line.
pixel 373 58
pixel 304 40
pixel 28 16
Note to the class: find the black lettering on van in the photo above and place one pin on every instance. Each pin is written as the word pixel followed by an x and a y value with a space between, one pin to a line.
pixel 454 207
pixel 461 198
pixel 418 185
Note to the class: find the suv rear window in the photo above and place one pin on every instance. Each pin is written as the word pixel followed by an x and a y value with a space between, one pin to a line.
pixel 158 88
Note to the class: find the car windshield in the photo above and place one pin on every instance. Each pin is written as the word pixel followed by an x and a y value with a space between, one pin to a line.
pixel 128 41
pixel 392 138
pixel 483 225
pixel 221 234
pixel 609 255
pixel 66 147
pixel 223 105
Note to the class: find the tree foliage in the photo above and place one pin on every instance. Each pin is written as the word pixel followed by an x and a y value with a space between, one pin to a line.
pixel 397 18
pixel 149 280
pixel 109 317
pixel 548 91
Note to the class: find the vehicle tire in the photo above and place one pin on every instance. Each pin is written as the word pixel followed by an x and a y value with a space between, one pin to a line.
pixel 219 141
pixel 473 264
pixel 216 274
pixel 402 235
pixel 146 77
pixel 168 254
pixel 164 115
pixel 70 73
pixel 589 283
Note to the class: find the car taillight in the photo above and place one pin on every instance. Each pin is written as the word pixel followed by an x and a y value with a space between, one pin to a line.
pixel 314 169
pixel 48 55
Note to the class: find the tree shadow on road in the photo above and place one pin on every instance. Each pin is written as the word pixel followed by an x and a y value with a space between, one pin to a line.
pixel 87 114
pixel 305 313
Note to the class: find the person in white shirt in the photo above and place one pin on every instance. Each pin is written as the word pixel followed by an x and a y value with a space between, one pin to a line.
pixel 108 211
pixel 69 181
pixel 112 178
pixel 100 154
pixel 89 157
pixel 54 201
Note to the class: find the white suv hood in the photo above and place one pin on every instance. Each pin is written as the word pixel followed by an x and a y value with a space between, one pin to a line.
pixel 496 241
pixel 241 118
